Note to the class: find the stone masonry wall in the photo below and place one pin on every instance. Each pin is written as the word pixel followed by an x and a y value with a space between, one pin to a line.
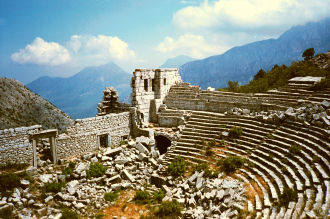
pixel 83 137
pixel 149 88
pixel 190 98
pixel 15 145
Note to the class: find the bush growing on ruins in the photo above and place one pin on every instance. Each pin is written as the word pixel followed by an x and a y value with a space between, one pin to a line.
pixel 124 142
pixel 8 182
pixel 287 196
pixel 6 213
pixel 69 169
pixel 295 149
pixel 209 152
pixel 232 163
pixel 168 209
pixel 235 132
pixel 212 143
pixel 69 214
pixel 96 170
pixel 53 187
pixel 158 196
pixel 207 171
pixel 142 197
pixel 322 85
pixel 110 196
pixel 270 136
pixel 177 167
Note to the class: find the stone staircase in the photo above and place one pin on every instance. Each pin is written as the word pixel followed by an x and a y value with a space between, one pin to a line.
pixel 271 166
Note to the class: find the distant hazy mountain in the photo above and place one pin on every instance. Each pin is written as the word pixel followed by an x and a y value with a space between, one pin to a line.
pixel 176 62
pixel 21 107
pixel 241 63
pixel 79 94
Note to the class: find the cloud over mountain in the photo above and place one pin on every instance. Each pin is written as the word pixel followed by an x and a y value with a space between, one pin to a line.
pixel 80 51
pixel 253 15
pixel 41 52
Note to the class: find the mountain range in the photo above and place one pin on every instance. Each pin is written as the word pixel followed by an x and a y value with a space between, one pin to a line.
pixel 79 94
pixel 176 62
pixel 241 63
pixel 21 107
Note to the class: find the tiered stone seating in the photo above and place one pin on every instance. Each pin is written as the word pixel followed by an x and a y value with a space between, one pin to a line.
pixel 266 146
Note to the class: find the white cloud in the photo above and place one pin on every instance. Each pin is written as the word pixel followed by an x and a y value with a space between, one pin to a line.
pixel 41 52
pixel 251 14
pixel 80 51
pixel 189 44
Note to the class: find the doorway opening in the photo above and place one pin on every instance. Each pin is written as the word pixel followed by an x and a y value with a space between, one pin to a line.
pixel 162 143
pixel 104 141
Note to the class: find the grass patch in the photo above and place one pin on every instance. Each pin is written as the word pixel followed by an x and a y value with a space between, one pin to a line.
pixel 177 167
pixel 207 171
pixel 142 197
pixel 110 196
pixel 7 213
pixel 158 196
pixel 96 170
pixel 69 214
pixel 54 187
pixel 168 209
pixel 8 182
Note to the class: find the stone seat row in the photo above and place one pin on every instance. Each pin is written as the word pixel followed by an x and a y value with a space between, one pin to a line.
pixel 296 172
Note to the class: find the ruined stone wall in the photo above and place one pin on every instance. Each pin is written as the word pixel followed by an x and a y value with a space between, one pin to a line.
pixel 149 88
pixel 15 145
pixel 190 98
pixel 83 137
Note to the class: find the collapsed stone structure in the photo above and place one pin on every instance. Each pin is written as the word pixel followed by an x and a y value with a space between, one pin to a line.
pixel 272 122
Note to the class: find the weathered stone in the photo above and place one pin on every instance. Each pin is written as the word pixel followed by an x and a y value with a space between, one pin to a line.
pixel 112 152
pixel 48 199
pixel 325 104
pixel 128 176
pixel 143 140
pixel 25 183
pixel 94 160
pixel 46 178
pixel 141 148
pixel 81 167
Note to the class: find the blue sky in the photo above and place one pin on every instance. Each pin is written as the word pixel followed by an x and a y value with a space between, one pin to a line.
pixel 59 38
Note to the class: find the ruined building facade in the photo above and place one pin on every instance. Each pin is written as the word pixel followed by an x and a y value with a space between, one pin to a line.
pixel 149 89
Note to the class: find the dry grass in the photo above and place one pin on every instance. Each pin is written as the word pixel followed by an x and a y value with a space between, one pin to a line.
pixel 250 192
pixel 257 189
pixel 122 208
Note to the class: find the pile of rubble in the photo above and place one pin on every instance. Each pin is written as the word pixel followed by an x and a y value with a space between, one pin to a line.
pixel 307 113
pixel 130 166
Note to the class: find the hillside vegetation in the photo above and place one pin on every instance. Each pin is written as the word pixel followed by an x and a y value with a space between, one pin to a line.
pixel 278 76
pixel 21 107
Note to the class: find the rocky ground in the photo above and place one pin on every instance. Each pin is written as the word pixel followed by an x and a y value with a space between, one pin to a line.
pixel 307 113
pixel 130 167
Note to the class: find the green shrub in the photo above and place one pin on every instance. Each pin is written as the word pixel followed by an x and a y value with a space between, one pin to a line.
pixel 54 187
pixel 96 170
pixel 270 136
pixel 169 209
pixel 177 167
pixel 8 182
pixel 110 196
pixel 316 159
pixel 69 214
pixel 322 85
pixel 207 172
pixel 6 213
pixel 158 196
pixel 124 142
pixel 142 197
pixel 294 149
pixel 209 152
pixel 232 163
pixel 235 132
pixel 212 143
pixel 287 196
pixel 99 216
